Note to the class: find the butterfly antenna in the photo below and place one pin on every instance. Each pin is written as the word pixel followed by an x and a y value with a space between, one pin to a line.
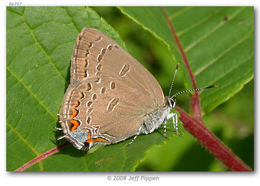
pixel 193 90
pixel 170 91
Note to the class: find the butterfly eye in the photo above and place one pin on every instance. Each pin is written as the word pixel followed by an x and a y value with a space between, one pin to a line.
pixel 172 102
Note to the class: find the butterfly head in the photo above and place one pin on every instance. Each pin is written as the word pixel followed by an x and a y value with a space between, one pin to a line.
pixel 171 102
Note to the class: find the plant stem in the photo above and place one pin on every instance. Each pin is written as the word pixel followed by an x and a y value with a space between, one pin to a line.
pixel 195 102
pixel 41 157
pixel 196 128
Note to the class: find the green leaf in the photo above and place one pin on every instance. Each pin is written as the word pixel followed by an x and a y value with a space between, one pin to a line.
pixel 40 43
pixel 218 43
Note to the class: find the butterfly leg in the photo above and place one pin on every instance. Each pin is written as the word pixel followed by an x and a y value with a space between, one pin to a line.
pixel 174 118
pixel 137 134
pixel 175 123
pixel 61 137
pixel 164 128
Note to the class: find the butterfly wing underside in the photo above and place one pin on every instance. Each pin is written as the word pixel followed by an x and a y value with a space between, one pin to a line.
pixel 110 91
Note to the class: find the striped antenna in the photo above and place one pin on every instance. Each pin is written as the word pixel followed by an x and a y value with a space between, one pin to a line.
pixel 193 90
pixel 170 91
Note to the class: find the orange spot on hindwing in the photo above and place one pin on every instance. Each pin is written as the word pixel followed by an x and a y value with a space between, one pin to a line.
pixel 75 124
pixel 74 113
pixel 97 140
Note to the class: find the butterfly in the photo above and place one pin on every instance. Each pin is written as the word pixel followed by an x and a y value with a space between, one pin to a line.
pixel 111 96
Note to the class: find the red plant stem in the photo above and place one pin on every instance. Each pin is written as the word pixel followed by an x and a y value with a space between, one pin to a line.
pixel 211 142
pixel 195 102
pixel 41 157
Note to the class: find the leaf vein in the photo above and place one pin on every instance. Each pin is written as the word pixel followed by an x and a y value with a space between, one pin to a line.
pixel 20 136
pixel 241 85
pixel 73 22
pixel 180 33
pixel 33 95
pixel 192 45
pixel 225 74
pixel 12 60
pixel 43 50
pixel 213 61
pixel 180 12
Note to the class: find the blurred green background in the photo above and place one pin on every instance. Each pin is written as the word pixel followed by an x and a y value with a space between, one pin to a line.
pixel 232 122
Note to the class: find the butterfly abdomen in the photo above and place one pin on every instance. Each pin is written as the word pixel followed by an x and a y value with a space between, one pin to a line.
pixel 155 119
